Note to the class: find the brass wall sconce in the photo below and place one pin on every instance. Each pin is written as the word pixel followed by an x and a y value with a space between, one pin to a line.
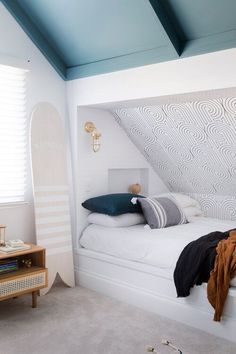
pixel 89 127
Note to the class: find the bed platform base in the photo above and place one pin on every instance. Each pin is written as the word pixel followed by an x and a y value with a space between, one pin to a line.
pixel 152 289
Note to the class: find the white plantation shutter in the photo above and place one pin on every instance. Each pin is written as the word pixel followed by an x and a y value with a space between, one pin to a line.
pixel 12 134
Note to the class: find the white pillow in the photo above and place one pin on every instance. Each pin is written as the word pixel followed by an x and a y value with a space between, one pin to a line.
pixel 183 200
pixel 123 220
pixel 192 211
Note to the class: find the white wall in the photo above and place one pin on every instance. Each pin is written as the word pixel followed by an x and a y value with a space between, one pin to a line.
pixel 117 151
pixel 44 84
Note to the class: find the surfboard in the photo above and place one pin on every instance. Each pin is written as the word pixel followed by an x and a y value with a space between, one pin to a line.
pixel 51 192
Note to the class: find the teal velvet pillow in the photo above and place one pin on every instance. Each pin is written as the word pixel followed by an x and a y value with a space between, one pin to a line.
pixel 113 204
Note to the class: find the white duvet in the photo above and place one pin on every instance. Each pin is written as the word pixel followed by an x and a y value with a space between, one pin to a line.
pixel 158 247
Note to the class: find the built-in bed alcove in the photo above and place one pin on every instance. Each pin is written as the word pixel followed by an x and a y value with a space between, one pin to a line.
pixel 134 134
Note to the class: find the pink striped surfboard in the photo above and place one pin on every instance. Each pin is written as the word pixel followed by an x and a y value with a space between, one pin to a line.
pixel 51 193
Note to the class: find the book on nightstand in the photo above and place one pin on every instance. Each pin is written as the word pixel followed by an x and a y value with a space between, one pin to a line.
pixel 7 266
pixel 14 246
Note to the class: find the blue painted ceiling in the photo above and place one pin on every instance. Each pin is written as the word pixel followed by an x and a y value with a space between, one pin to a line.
pixel 88 37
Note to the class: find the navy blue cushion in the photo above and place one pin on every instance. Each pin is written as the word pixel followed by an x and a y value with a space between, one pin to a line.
pixel 113 204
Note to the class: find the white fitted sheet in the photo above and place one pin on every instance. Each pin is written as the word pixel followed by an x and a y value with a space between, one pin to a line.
pixel 157 247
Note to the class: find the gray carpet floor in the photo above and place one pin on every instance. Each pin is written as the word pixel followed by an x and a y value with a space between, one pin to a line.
pixel 74 321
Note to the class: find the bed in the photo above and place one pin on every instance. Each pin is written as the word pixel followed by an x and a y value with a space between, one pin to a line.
pixel 135 264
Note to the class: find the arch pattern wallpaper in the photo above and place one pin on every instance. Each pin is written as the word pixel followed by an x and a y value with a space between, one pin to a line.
pixel 191 146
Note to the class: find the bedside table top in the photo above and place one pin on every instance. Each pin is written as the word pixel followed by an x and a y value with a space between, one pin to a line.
pixel 33 249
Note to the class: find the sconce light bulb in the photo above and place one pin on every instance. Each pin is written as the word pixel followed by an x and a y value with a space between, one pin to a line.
pixel 90 128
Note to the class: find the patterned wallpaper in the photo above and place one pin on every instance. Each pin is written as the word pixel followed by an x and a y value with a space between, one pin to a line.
pixel 192 147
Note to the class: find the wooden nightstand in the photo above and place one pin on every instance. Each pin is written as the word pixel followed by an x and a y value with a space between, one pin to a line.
pixel 24 280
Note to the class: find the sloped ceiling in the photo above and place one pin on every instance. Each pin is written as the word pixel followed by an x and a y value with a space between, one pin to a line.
pixel 191 146
pixel 87 37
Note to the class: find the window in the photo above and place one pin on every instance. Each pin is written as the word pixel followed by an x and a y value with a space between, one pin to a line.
pixel 12 134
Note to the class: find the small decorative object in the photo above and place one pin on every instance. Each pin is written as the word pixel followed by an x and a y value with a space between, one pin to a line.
pixel 90 128
pixel 27 263
pixel 135 188
pixel 151 349
pixel 169 344
pixel 2 235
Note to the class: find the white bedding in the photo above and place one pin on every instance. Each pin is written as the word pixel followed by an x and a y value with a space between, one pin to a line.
pixel 157 247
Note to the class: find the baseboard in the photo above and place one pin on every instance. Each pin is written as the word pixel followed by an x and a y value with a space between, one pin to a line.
pixel 176 309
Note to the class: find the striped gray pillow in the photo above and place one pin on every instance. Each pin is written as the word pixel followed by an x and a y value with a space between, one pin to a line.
pixel 162 212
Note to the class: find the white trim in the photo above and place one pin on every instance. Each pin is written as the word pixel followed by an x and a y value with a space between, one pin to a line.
pixel 52 230
pixel 152 289
pixel 55 240
pixel 63 197
pixel 144 268
pixel 58 250
pixel 52 219
pixel 56 188
pixel 51 209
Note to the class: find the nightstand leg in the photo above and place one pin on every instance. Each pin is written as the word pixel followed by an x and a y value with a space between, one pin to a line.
pixel 34 299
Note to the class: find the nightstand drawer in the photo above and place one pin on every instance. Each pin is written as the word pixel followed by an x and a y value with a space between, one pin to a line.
pixel 22 283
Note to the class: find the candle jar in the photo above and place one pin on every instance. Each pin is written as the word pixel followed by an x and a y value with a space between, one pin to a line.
pixel 135 188
pixel 2 235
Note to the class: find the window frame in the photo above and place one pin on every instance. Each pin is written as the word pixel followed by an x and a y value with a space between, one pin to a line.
pixel 24 65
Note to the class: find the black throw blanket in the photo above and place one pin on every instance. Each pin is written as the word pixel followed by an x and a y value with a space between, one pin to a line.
pixel 196 262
